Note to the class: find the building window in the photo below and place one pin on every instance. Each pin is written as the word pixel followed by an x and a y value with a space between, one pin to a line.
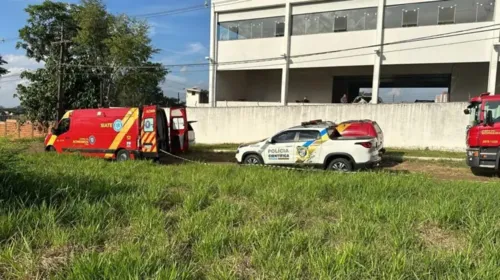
pixel 340 24
pixel 338 21
pixel 439 12
pixel 410 18
pixel 446 15
pixel 250 29
pixel 279 29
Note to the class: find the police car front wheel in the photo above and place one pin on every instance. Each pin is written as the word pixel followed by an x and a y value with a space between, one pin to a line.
pixel 252 160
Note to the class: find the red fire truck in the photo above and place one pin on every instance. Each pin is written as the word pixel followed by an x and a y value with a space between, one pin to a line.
pixel 483 134
pixel 121 133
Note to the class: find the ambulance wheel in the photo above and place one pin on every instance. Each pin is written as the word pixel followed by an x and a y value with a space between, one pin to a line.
pixel 122 155
pixel 51 149
pixel 340 164
pixel 252 160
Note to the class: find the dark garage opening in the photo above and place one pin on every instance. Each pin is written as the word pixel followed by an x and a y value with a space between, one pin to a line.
pixel 353 85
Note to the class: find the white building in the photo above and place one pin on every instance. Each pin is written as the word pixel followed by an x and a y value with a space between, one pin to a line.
pixel 280 51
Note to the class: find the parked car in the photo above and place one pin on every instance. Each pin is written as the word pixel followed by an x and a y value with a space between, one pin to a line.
pixel 365 98
pixel 315 145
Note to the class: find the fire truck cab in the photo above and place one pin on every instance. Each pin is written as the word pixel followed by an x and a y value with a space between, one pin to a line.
pixel 483 133
pixel 121 133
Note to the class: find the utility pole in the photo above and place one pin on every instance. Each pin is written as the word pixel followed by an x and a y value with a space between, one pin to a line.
pixel 60 91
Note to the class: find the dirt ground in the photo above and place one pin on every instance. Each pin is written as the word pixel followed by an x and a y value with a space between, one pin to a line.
pixel 438 169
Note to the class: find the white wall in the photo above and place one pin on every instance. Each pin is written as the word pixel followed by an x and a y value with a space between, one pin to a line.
pixel 434 126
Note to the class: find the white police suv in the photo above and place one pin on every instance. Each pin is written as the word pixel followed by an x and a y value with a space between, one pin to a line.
pixel 316 144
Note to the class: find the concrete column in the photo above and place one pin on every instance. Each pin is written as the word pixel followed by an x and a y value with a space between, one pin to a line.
pixel 492 75
pixel 379 53
pixel 212 76
pixel 286 47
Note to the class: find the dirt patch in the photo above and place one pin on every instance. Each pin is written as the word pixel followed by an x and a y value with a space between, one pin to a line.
pixel 53 259
pixel 434 237
pixel 439 170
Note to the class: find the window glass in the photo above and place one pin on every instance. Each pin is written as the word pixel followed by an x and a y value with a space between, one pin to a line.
pixel 494 107
pixel 340 24
pixel 446 14
pixel 484 10
pixel 299 25
pixel 223 32
pixel 312 24
pixel 370 18
pixel 252 29
pixel 178 123
pixel 257 29
pixel 439 12
pixel 356 20
pixel 287 136
pixel 308 135
pixel 279 28
pixel 63 126
pixel 233 31
pixel 410 18
pixel 325 24
pixel 244 30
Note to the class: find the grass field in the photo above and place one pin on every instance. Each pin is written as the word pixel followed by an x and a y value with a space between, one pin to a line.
pixel 68 217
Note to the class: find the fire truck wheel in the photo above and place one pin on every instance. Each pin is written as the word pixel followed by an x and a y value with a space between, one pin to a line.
pixel 122 155
pixel 340 164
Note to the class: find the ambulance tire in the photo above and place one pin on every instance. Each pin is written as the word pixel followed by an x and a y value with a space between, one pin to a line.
pixel 51 149
pixel 122 155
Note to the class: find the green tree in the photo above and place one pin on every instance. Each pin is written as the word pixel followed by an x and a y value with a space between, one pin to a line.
pixel 106 62
pixel 3 71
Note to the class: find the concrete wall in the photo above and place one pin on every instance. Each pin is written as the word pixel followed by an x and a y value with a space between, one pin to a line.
pixel 434 126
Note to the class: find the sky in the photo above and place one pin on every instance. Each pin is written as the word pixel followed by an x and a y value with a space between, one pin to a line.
pixel 182 38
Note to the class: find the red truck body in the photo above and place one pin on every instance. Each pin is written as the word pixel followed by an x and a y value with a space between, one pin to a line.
pixel 483 133
pixel 121 133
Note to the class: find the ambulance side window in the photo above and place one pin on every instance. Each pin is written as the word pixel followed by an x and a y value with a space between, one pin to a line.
pixel 63 126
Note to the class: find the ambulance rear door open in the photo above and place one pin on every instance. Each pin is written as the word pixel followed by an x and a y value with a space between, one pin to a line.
pixel 179 130
pixel 154 134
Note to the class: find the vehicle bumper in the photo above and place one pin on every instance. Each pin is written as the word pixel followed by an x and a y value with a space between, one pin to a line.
pixel 239 156
pixel 483 158
pixel 374 161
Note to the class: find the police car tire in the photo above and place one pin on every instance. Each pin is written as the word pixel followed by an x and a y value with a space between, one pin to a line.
pixel 122 155
pixel 337 163
pixel 252 159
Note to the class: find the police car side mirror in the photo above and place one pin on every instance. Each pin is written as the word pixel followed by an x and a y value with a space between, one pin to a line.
pixel 272 141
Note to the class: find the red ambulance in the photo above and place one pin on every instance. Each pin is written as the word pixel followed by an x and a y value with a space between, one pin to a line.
pixel 121 133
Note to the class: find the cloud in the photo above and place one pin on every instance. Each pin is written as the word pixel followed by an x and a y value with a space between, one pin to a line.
pixel 156 28
pixel 16 64
pixel 195 48
pixel 184 69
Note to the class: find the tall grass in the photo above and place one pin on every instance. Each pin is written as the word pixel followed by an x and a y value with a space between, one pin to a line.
pixel 67 217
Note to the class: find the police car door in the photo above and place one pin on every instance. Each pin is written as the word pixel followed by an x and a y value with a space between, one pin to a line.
pixel 280 150
pixel 307 147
